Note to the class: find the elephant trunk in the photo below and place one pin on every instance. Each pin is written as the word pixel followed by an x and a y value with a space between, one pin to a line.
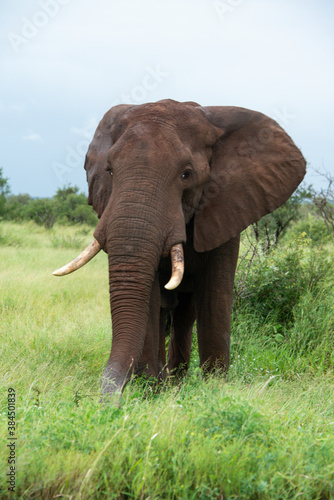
pixel 135 246
pixel 130 293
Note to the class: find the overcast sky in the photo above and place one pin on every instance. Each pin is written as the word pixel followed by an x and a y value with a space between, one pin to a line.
pixel 64 63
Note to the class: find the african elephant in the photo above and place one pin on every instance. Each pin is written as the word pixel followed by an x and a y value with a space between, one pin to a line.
pixel 172 178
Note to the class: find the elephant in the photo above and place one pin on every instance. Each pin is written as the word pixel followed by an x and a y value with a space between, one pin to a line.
pixel 173 185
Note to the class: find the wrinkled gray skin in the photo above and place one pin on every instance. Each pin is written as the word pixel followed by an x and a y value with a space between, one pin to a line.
pixel 181 173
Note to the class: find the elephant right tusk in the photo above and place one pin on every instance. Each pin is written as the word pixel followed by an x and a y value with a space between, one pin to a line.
pixel 81 260
pixel 177 258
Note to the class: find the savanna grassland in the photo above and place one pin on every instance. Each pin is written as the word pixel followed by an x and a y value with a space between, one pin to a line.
pixel 266 433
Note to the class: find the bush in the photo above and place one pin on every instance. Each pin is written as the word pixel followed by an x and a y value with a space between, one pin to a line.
pixel 43 211
pixel 75 210
pixel 324 201
pixel 270 229
pixel 72 207
pixel 16 207
pixel 67 206
pixel 314 228
pixel 274 282
pixel 4 191
pixel 313 328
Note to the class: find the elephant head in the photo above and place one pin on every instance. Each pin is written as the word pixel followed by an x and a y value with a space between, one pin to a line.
pixel 166 176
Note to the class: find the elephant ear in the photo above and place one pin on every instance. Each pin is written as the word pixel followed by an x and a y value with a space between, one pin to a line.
pixel 99 180
pixel 255 167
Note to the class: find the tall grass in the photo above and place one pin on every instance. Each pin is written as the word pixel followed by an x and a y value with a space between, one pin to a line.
pixel 266 433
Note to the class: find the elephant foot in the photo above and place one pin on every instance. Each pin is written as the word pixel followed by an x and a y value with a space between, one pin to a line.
pixel 111 393
pixel 214 368
pixel 112 387
pixel 178 372
pixel 111 399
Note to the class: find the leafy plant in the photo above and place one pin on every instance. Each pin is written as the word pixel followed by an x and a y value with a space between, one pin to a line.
pixel 314 228
pixel 324 201
pixel 4 192
pixel 67 206
pixel 43 211
pixel 275 282
pixel 269 230
pixel 16 207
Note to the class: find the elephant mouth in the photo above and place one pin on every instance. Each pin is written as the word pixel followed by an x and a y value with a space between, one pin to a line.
pixel 176 253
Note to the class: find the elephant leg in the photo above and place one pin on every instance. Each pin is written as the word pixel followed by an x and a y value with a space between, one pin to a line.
pixel 149 359
pixel 213 299
pixel 181 334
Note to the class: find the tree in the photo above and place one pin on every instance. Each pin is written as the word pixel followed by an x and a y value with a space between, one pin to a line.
pixel 270 228
pixel 63 193
pixel 324 201
pixel 4 192
pixel 73 207
pixel 67 206
pixel 43 211
pixel 16 206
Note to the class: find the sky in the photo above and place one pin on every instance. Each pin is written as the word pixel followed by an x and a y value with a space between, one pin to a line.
pixel 64 63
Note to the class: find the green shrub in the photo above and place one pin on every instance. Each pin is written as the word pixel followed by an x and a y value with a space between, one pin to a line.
pixel 16 207
pixel 275 281
pixel 67 206
pixel 314 228
pixel 81 213
pixel 269 230
pixel 43 211
pixel 73 207
pixel 312 332
pixel 4 192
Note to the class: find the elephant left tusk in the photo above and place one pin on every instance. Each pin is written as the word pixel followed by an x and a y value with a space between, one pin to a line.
pixel 177 258
pixel 81 260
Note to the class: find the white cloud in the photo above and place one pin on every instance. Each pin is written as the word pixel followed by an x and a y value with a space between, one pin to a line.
pixel 32 136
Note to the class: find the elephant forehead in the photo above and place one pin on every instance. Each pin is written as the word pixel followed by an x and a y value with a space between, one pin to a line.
pixel 166 118
pixel 144 140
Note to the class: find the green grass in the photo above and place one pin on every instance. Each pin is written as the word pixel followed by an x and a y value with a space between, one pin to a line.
pixel 267 433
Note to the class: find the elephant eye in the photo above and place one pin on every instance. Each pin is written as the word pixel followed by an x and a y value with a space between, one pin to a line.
pixel 186 174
